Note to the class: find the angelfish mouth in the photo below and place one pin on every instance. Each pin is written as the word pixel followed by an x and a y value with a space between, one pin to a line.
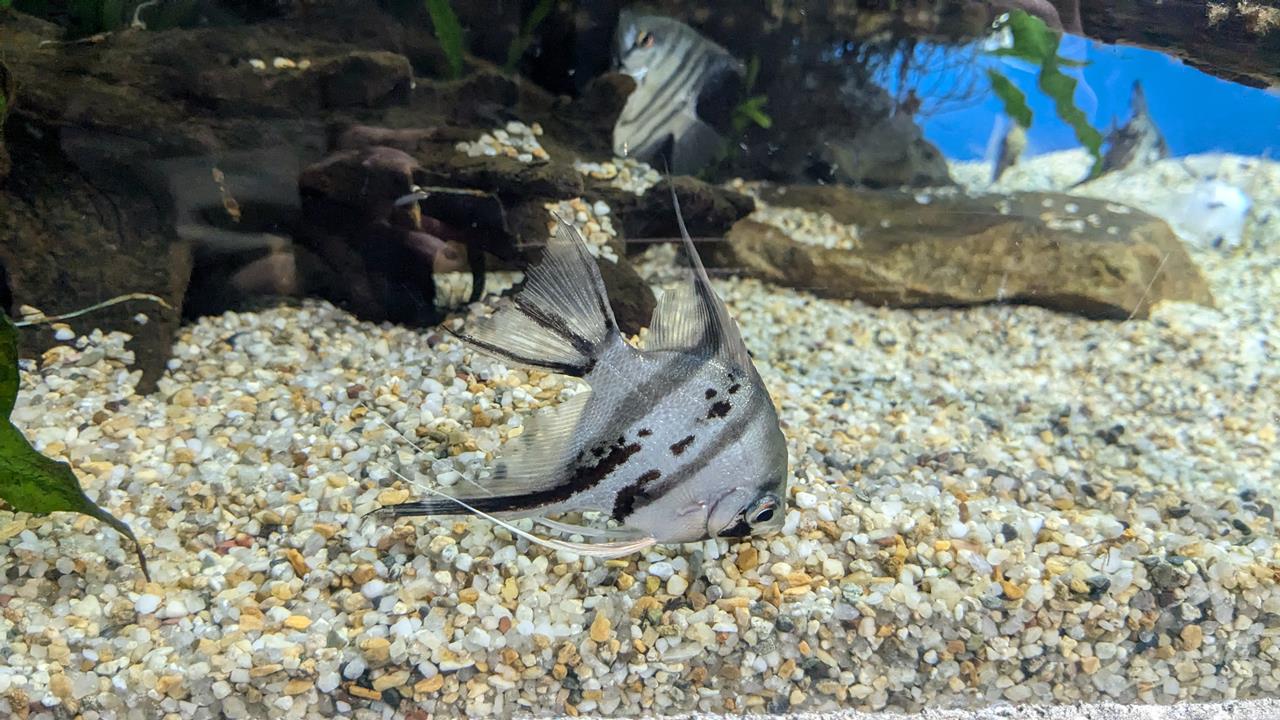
pixel 740 528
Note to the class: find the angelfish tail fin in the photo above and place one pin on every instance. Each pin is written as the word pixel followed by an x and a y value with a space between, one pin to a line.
pixel 559 319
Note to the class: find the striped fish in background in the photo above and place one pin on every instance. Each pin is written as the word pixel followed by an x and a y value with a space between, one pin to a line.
pixel 673 67
pixel 677 442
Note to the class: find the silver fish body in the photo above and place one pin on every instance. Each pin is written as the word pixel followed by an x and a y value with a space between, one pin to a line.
pixel 678 441
pixel 673 67
pixel 1138 142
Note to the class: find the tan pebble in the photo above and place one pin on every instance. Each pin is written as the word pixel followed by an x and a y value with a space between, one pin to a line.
pixel 12 529
pixel 363 574
pixel 540 153
pixel 651 584
pixel 392 496
pixel 297 622
pixel 787 669
pixel 1192 637
pixel 282 591
pixel 264 670
pixel 297 686
pixel 363 692
pixel 60 686
pixel 625 581
pixel 1012 590
pixel 170 685
pixel 429 685
pixel 181 455
pixel 510 590
pixel 299 563
pixel 250 622
pixel 390 680
pixel 1090 665
pixel 479 418
pixel 468 595
pixel 748 559
pixel 377 649
pixel 536 128
pixel 1267 434
pixel 601 628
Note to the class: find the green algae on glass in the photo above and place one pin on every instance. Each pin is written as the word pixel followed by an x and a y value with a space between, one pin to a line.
pixel 1034 42
pixel 448 32
pixel 29 481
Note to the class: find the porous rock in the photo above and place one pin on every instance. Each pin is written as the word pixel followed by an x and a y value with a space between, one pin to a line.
pixel 915 250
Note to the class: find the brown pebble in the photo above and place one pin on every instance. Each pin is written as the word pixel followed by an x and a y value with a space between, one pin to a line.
pixel 1192 637
pixel 354 391
pixel 601 628
pixel 364 692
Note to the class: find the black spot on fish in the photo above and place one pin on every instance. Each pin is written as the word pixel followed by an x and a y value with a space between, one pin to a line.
pixel 625 503
pixel 741 528
pixel 711 392
pixel 733 389
pixel 597 451
pixel 719 410
pixel 645 432
pixel 681 446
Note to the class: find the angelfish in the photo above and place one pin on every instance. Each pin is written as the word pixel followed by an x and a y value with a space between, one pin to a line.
pixel 676 442
pixel 676 70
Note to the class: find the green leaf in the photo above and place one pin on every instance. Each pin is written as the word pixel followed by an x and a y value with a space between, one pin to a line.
pixel 1062 89
pixel 753 72
pixel 1015 103
pixel 1032 39
pixel 29 481
pixel 521 42
pixel 448 32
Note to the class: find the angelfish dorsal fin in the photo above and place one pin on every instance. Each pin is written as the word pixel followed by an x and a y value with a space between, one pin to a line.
pixel 561 316
pixel 691 317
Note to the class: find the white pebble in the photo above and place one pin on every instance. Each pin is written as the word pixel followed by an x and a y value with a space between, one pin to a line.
pixel 662 570
pixel 146 603
pixel 806 500
pixel 373 589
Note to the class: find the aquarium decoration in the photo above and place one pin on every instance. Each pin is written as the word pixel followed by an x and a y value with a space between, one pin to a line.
pixel 32 482
pixel 448 32
pixel 1034 42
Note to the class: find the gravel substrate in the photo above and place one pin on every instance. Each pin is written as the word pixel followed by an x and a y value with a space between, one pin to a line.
pixel 988 505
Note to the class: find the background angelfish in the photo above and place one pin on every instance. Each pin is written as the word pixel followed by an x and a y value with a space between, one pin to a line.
pixel 674 67
pixel 677 442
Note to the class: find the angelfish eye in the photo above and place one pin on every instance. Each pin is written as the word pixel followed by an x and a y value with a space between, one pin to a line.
pixel 645 40
pixel 763 515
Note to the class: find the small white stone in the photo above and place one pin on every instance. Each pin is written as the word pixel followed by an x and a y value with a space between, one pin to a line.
pixel 64 334
pixel 374 589
pixel 806 500
pixel 221 689
pixel 146 603
pixel 662 570
pixel 327 682
pixel 600 208
pixel 257 64
pixel 676 585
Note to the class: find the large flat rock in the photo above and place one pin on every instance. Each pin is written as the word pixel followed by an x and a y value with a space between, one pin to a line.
pixel 1090 257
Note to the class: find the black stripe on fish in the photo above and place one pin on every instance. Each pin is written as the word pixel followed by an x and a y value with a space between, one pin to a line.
pixel 734 387
pixel 711 392
pixel 646 127
pixel 624 503
pixel 680 447
pixel 719 410
pixel 556 325
pixel 559 367
pixel 584 478
pixel 725 438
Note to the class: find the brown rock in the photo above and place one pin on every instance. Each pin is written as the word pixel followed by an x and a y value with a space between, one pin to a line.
pixel 957 250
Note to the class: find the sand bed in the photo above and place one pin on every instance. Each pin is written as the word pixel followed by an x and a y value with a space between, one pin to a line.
pixel 988 505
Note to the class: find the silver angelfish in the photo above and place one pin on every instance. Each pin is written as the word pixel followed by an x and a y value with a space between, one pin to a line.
pixel 673 67
pixel 677 442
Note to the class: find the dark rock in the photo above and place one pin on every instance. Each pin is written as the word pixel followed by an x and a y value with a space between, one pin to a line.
pixel 364 79
pixel 630 296
pixel 709 210
pixel 67 243
pixel 955 250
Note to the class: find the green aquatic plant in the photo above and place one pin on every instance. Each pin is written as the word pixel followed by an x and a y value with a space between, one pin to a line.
pixel 449 32
pixel 520 43
pixel 30 481
pixel 1034 42
pixel 751 110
